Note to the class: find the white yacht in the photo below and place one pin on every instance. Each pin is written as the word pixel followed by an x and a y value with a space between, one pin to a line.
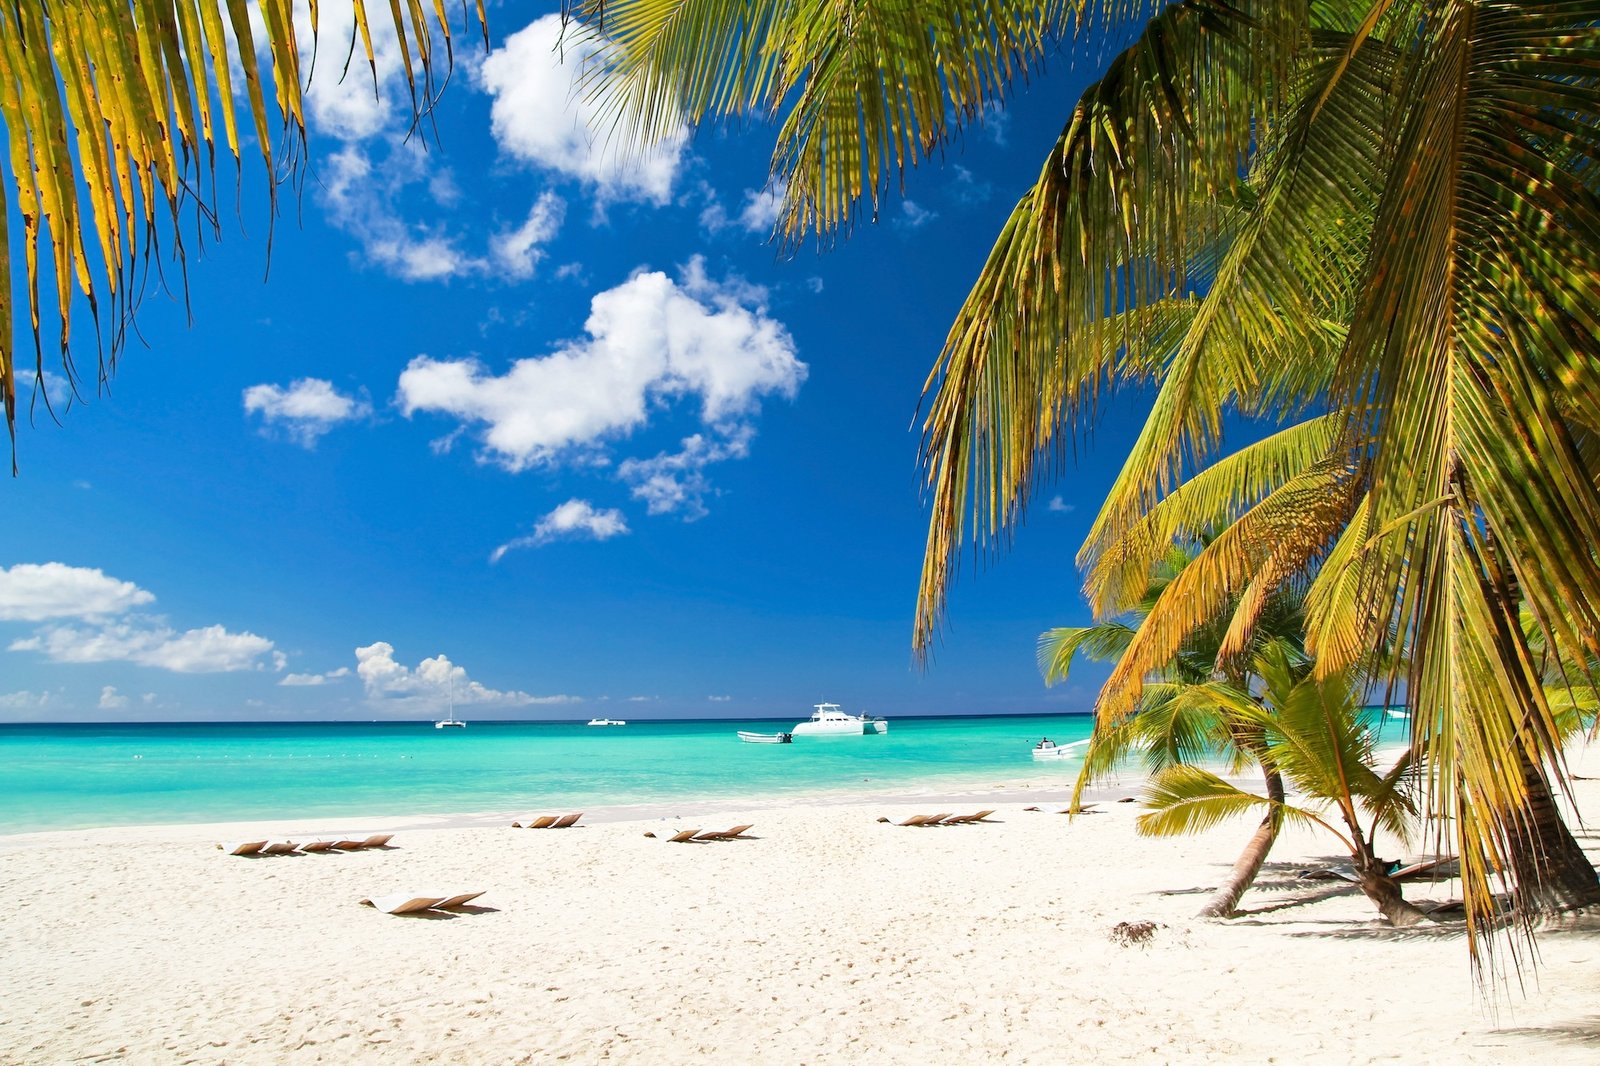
pixel 607 721
pixel 450 721
pixel 829 721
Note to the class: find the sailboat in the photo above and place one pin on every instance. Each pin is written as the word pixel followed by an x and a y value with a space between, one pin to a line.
pixel 450 721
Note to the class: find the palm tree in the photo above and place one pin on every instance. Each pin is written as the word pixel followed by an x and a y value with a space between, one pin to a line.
pixel 1316 737
pixel 110 110
pixel 1183 711
pixel 1389 210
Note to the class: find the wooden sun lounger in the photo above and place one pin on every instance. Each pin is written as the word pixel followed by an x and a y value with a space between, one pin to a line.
pixel 247 847
pixel 683 837
pixel 542 822
pixel 452 902
pixel 1421 866
pixel 376 840
pixel 286 847
pixel 318 846
pixel 967 819
pixel 724 834
pixel 916 819
pixel 566 820
pixel 934 819
pixel 403 903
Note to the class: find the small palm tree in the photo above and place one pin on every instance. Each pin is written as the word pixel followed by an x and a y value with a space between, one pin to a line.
pixel 1316 739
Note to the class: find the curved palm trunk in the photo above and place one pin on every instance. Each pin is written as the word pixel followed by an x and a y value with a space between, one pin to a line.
pixel 1226 900
pixel 1552 872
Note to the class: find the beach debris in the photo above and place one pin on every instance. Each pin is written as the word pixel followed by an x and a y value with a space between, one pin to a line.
pixel 1131 934
pixel 649 834
pixel 883 819
pixel 1030 808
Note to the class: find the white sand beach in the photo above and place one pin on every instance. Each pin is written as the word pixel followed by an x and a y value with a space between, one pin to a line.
pixel 826 937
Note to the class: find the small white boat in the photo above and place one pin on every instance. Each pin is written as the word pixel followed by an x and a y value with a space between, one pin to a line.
pixel 1049 749
pixel 829 721
pixel 450 721
pixel 766 738
pixel 607 721
pixel 1394 713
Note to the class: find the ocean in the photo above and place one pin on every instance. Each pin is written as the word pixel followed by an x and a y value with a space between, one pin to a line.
pixel 78 776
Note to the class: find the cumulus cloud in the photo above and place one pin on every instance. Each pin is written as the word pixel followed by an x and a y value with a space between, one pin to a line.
pixel 26 701
pixel 1060 505
pixel 573 520
pixel 34 592
pixel 434 682
pixel 306 410
pixel 649 340
pixel 676 482
pixel 150 642
pixel 542 116
pixel 110 700
pixel 309 680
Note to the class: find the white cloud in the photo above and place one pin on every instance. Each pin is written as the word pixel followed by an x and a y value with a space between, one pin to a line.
pixel 542 115
pixel 352 106
pixel 913 215
pixel 435 682
pixel 308 680
pixel 359 198
pixel 26 701
pixel 676 482
pixel 110 700
pixel 719 699
pixel 150 642
pixel 518 251
pixel 1059 504
pixel 761 208
pixel 814 284
pixel 33 592
pixel 650 340
pixel 305 410
pixel 573 520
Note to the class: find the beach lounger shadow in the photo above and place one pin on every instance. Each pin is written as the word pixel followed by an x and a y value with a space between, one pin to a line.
pixel 735 833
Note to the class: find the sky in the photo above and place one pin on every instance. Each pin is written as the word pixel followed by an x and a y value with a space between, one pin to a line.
pixel 512 419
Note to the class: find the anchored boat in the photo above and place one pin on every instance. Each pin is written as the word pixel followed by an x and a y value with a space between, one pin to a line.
pixel 766 738
pixel 829 721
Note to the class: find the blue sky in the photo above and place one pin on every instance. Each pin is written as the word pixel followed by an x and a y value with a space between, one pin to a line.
pixel 561 434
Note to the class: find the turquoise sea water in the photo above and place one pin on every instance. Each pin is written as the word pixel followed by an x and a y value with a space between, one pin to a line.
pixel 70 776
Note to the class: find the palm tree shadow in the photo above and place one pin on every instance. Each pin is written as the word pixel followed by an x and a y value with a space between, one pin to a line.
pixel 1581 1033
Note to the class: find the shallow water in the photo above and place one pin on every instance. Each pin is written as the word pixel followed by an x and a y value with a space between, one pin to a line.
pixel 71 776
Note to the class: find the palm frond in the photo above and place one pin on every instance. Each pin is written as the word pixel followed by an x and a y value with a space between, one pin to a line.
pixel 109 109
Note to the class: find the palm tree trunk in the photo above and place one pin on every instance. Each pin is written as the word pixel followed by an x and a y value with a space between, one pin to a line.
pixel 1384 891
pixel 1226 900
pixel 1552 872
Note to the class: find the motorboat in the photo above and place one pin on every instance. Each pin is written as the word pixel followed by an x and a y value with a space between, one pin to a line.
pixel 607 721
pixel 1049 749
pixel 766 738
pixel 829 721
pixel 450 721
